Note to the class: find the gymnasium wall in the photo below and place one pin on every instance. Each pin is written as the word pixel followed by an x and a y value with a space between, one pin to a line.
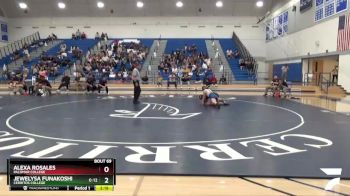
pixel 304 34
pixel 314 40
pixel 294 71
pixel 344 71
pixel 148 27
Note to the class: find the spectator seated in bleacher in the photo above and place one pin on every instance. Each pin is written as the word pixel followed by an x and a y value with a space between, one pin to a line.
pixel 144 79
pixel 83 35
pixel 97 36
pixel 229 53
pixel 186 77
pixel 172 80
pixel 51 37
pixel 77 53
pixel 63 48
pixel 223 80
pixel 242 63
pixel 273 87
pixel 104 36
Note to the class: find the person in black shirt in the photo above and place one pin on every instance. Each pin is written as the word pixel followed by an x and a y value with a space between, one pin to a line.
pixel 91 83
pixel 65 81
pixel 102 84
pixel 283 86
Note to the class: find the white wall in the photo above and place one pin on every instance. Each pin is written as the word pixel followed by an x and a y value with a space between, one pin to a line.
pixel 147 27
pixel 314 40
pixel 344 71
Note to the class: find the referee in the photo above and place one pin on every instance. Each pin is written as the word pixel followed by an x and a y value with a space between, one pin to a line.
pixel 136 78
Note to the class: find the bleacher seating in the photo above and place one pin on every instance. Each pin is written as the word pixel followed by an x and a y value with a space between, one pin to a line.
pixel 240 75
pixel 174 44
pixel 11 57
pixel 179 44
pixel 145 42
pixel 84 45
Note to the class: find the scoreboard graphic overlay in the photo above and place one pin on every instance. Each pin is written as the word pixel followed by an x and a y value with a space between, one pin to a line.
pixel 61 174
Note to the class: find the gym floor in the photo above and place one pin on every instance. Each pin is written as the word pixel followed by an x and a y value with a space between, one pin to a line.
pixel 177 124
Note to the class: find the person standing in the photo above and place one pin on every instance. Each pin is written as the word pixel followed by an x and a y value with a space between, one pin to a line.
pixel 136 78
pixel 335 75
pixel 284 72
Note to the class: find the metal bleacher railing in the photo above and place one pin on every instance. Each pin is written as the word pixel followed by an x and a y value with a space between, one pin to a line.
pixel 8 52
pixel 245 54
pixel 323 80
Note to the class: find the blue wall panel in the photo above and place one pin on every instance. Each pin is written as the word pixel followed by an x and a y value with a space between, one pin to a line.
pixel 295 71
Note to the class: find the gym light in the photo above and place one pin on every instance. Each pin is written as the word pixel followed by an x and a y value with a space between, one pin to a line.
pixel 61 5
pixel 219 4
pixel 179 4
pixel 139 4
pixel 23 5
pixel 100 4
pixel 259 3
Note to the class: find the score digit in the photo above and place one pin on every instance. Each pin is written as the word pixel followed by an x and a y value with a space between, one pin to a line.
pixel 106 180
pixel 106 169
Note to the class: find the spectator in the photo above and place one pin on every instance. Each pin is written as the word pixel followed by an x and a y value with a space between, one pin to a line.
pixel 78 34
pixel 284 72
pixel 172 80
pixel 102 84
pixel 283 86
pixel 335 75
pixel 273 87
pixel 223 80
pixel 42 86
pixel 159 80
pixel 97 36
pixel 65 81
pixel 83 35
pixel 91 83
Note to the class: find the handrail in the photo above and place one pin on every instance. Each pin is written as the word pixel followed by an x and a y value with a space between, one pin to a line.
pixel 11 48
pixel 245 53
pixel 324 81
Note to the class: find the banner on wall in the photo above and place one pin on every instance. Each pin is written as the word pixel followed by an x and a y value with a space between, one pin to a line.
pixel 277 26
pixel 305 5
pixel 4 31
pixel 328 8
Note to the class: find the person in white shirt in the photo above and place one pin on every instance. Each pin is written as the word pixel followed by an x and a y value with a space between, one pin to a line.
pixel 217 54
pixel 105 58
pixel 204 66
pixel 284 72
pixel 136 78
